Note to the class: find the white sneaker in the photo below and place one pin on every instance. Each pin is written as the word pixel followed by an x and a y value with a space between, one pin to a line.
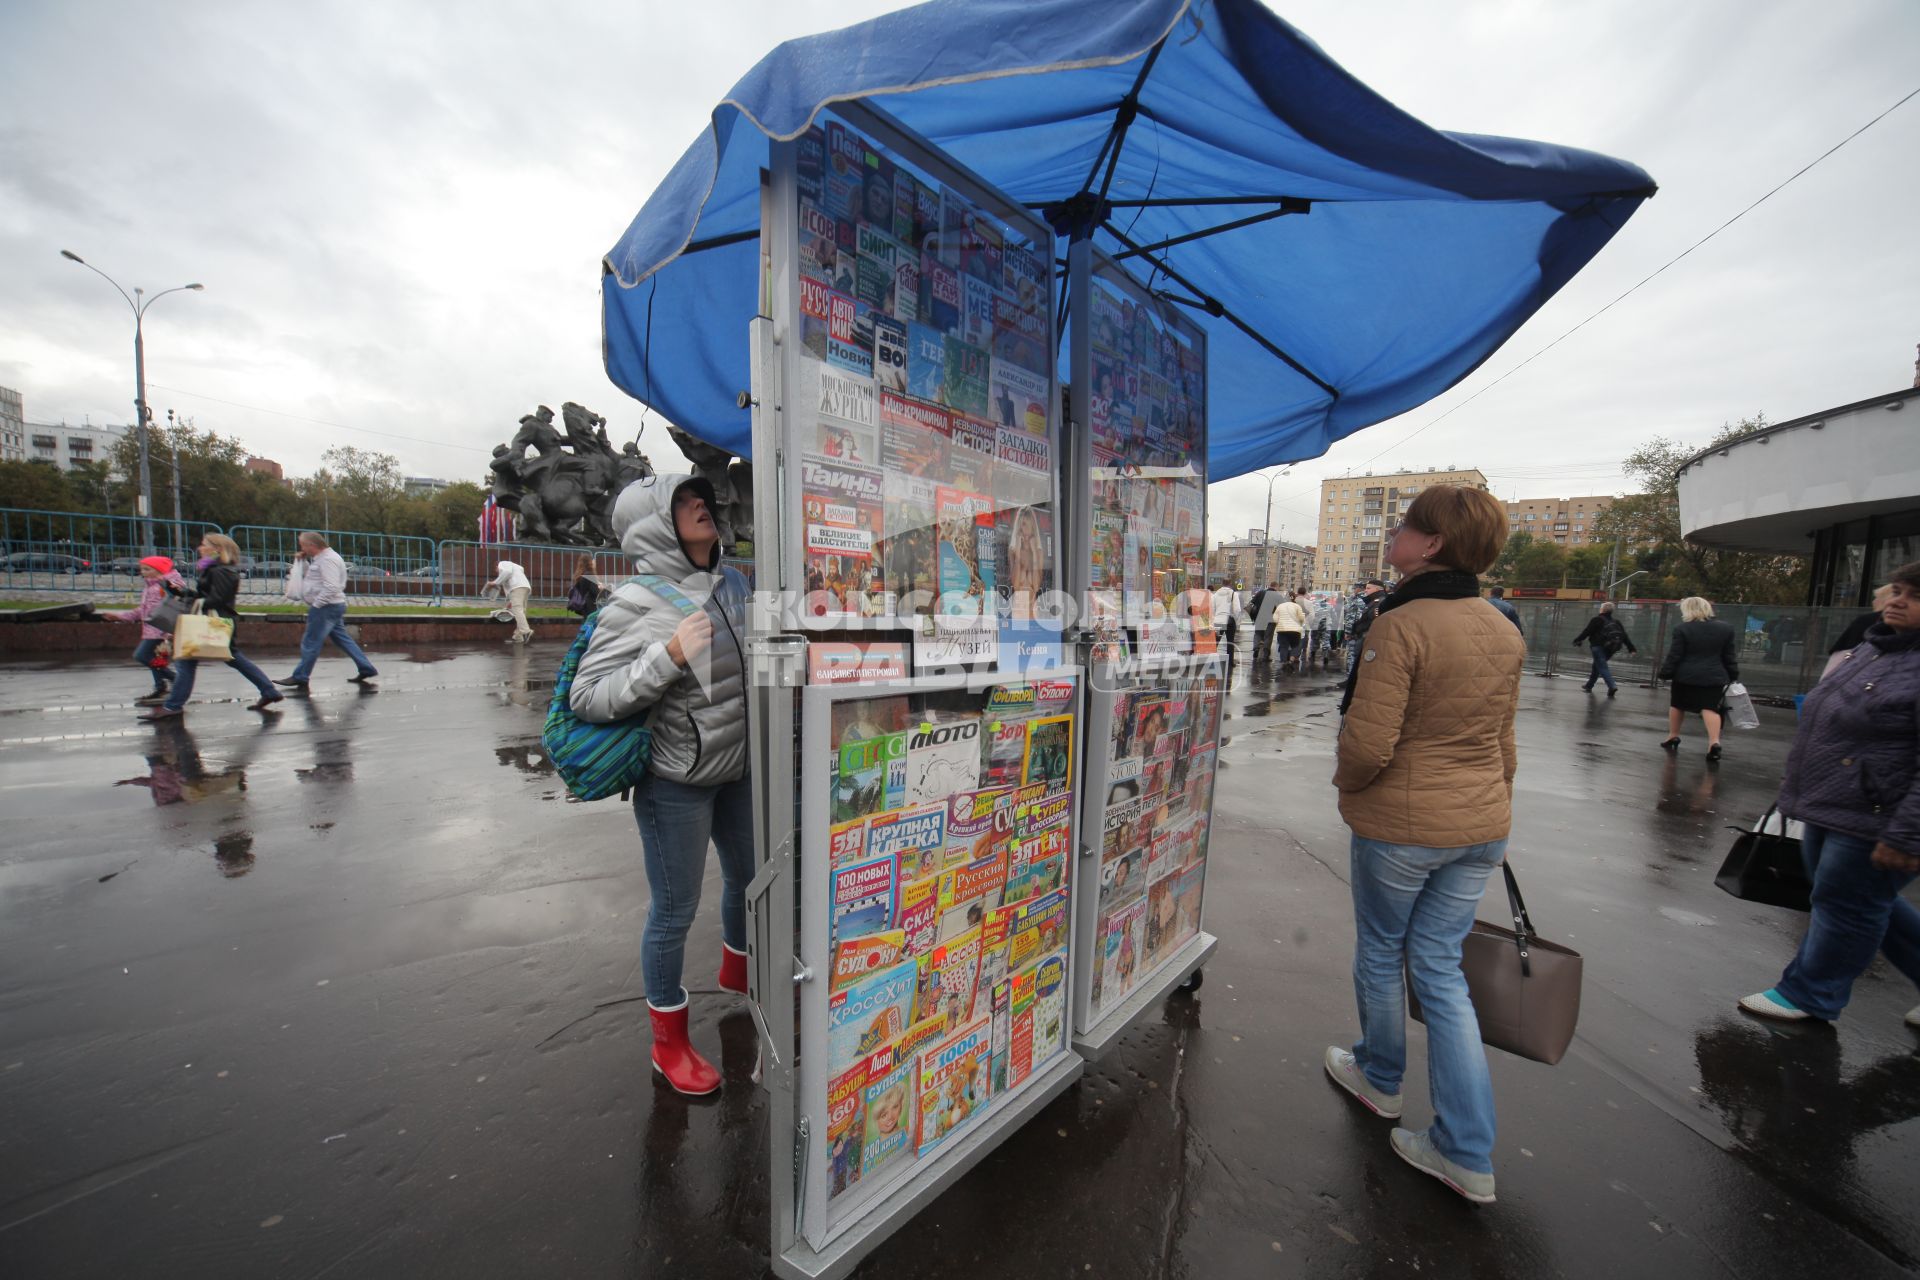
pixel 1913 1016
pixel 1417 1150
pixel 1347 1074
pixel 1771 1004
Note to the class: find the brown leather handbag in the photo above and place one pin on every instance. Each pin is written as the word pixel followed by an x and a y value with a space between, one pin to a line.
pixel 1525 990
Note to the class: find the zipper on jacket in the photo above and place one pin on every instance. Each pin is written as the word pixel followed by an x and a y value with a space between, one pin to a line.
pixel 698 746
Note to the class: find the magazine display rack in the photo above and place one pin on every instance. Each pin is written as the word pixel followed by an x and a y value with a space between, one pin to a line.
pixel 1146 809
pixel 916 736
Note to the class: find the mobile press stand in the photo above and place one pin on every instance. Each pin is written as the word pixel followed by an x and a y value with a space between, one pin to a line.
pixel 1137 792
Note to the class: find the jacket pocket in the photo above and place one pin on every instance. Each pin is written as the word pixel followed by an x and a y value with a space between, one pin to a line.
pixel 1883 784
pixel 694 726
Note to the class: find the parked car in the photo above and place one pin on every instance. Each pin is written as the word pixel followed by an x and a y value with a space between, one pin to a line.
pixel 43 562
pixel 366 571
pixel 427 572
pixel 126 566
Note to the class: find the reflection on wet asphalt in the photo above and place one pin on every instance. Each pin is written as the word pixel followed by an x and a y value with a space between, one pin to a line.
pixel 398 1030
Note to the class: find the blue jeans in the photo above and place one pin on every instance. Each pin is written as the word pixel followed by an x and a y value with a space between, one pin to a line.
pixel 1857 910
pixel 1412 908
pixel 328 622
pixel 1601 671
pixel 186 668
pixel 143 656
pixel 676 821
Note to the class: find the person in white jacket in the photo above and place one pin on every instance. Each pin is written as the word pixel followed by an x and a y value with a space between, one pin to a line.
pixel 513 584
pixel 319 580
pixel 1227 608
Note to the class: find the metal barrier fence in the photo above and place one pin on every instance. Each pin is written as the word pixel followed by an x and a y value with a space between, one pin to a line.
pixel 465 567
pixel 378 564
pixel 1782 648
pixel 83 551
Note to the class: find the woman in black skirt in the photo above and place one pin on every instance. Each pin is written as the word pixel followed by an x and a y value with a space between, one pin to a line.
pixel 1701 662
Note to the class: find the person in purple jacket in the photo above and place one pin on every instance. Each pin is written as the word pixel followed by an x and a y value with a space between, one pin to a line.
pixel 1850 778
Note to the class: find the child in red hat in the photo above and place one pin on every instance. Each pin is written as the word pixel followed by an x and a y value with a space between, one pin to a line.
pixel 158 572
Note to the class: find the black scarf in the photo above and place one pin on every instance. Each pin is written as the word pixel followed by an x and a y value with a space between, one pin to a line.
pixel 1435 584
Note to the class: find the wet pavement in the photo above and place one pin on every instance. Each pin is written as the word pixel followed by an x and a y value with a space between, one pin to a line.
pixel 353 991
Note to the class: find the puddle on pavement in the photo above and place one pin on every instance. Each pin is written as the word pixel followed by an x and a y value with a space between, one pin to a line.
pixel 177 775
pixel 326 771
pixel 233 853
pixel 527 757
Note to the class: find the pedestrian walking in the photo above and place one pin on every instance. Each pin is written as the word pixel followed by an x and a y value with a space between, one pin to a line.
pixel 157 575
pixel 1425 772
pixel 1850 778
pixel 676 657
pixel 1701 662
pixel 513 585
pixel 1362 609
pixel 587 590
pixel 1856 631
pixel 1497 597
pixel 217 587
pixel 1604 636
pixel 1227 608
pixel 1289 631
pixel 1319 632
pixel 1265 601
pixel 319 579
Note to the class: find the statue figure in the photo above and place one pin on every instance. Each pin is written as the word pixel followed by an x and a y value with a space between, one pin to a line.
pixel 565 488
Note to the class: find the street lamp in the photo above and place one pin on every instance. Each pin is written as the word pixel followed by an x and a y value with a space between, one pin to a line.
pixel 139 303
pixel 1266 531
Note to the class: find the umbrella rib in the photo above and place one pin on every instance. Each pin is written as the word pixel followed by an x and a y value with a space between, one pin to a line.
pixel 1214 307
pixel 1122 120
pixel 1292 206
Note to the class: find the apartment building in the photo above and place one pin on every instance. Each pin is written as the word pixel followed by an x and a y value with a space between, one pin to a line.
pixel 13 427
pixel 1567 521
pixel 1254 561
pixel 1356 512
pixel 68 447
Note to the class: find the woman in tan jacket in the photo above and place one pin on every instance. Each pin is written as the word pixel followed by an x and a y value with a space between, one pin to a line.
pixel 1425 773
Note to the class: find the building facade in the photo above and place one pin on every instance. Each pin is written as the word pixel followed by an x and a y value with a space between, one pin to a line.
pixel 13 427
pixel 1567 522
pixel 1841 486
pixel 68 447
pixel 1255 560
pixel 1357 511
pixel 266 467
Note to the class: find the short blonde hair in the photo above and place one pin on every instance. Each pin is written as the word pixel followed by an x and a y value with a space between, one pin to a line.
pixel 1470 523
pixel 1696 609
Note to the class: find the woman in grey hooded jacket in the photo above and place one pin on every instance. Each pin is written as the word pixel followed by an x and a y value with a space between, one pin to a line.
pixel 673 651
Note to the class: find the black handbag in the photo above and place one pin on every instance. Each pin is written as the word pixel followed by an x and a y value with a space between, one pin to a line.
pixel 1763 867
pixel 1525 990
pixel 166 613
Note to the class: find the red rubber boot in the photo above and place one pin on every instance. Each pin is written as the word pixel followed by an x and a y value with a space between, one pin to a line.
pixel 733 970
pixel 686 1071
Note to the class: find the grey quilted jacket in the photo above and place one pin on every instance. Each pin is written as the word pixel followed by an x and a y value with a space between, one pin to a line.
pixel 1852 764
pixel 699 712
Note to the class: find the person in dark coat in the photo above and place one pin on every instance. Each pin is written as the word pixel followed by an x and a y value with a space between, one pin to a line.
pixel 1497 597
pixel 1850 778
pixel 1605 636
pixel 1701 662
pixel 217 587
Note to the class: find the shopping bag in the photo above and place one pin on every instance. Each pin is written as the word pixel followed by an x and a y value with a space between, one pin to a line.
pixel 202 637
pixel 1766 868
pixel 1525 990
pixel 1739 707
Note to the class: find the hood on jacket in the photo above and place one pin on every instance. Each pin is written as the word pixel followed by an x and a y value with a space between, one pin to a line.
pixel 643 521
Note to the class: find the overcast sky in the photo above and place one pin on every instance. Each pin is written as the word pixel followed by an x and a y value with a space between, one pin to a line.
pixel 399 211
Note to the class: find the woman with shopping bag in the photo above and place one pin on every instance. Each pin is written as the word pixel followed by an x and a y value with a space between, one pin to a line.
pixel 216 594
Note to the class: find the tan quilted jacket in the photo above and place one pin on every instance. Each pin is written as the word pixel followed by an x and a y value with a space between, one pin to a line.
pixel 1426 751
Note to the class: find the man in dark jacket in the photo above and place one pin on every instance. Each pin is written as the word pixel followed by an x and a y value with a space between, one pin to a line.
pixel 1362 609
pixel 1605 637
pixel 1497 597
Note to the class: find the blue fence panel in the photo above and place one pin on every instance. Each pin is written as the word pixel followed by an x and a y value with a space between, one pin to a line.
pixel 467 567
pixel 79 551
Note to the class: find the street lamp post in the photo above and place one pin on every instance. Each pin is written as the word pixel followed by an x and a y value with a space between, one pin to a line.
pixel 1266 530
pixel 139 303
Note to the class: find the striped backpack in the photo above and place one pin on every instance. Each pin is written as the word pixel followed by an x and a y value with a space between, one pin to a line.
pixel 597 760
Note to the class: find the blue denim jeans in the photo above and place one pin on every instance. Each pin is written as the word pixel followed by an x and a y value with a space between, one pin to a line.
pixel 186 668
pixel 1857 910
pixel 1412 908
pixel 143 656
pixel 328 622
pixel 676 821
pixel 1601 671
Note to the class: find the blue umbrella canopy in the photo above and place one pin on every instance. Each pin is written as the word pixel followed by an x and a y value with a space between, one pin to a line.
pixel 1347 261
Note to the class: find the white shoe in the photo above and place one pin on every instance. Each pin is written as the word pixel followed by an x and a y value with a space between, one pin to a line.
pixel 1347 1074
pixel 1771 1004
pixel 1417 1150
pixel 1913 1016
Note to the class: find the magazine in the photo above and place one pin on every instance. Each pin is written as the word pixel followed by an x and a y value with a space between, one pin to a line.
pixel 862 957
pixel 863 894
pixel 942 760
pixel 890 353
pixel 1049 1015
pixel 1020 1027
pixel 1038 865
pixel 888 1102
pixel 846 1121
pixel 1040 927
pixel 1050 752
pixel 955 1084
pixel 918 915
pixel 964 551
pixel 1120 957
pixel 846 842
pixel 968 893
pixel 868 1013
pixel 915 838
pixel 926 363
pixel 948 979
pixel 966 378
pixel 1123 878
pixel 870 777
pixel 979 823
pixel 1162 918
pixel 970 451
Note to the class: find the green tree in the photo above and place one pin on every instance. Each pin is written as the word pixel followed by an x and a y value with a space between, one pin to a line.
pixel 1649 523
pixel 363 487
pixel 35 486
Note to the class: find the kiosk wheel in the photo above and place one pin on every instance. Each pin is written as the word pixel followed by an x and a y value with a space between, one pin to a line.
pixel 1192 984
